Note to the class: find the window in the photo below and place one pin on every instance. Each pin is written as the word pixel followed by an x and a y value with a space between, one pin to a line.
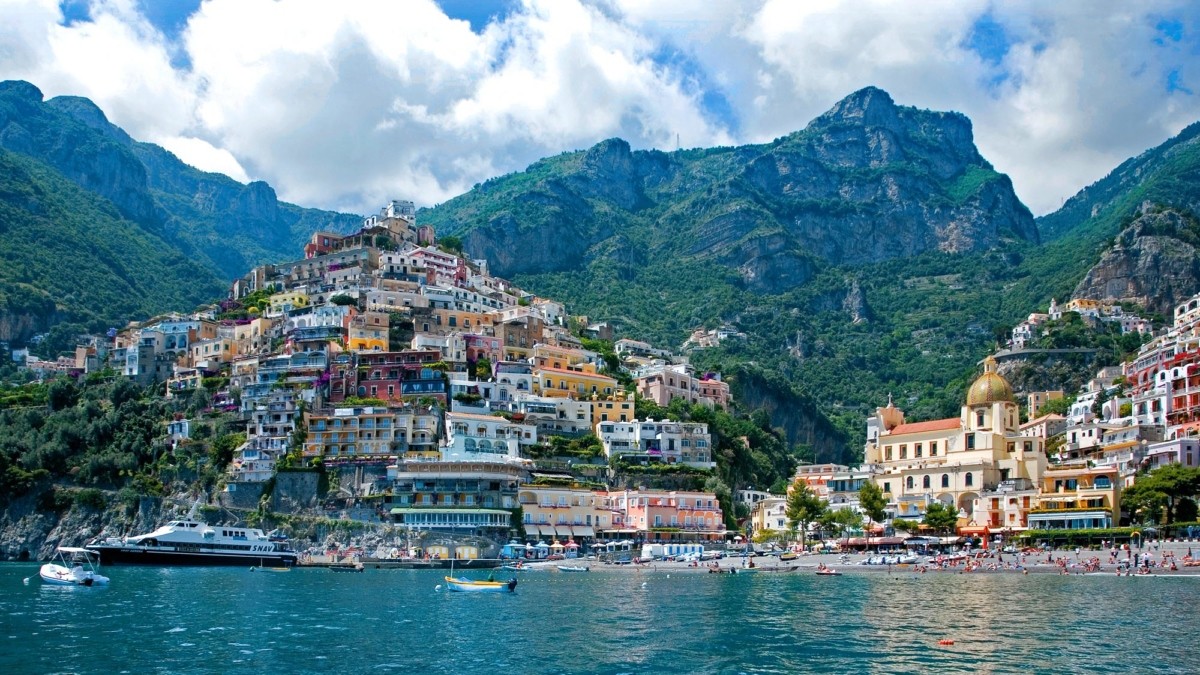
pixel 917 452
pixel 970 479
pixel 979 418
pixel 887 487
pixel 945 480
pixel 925 482
pixel 887 453
pixel 933 448
pixel 970 441
pixel 909 482
pixel 903 451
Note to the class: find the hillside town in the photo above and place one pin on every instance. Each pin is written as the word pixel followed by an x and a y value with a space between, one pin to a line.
pixel 447 397
pixel 438 391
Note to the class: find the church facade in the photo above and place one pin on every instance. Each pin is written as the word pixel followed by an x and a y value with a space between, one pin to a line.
pixel 969 462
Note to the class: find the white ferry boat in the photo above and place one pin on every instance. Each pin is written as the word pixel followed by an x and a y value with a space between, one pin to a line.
pixel 191 542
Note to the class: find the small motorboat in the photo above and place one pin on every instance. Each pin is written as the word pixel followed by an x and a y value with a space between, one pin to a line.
pixel 460 585
pixel 790 555
pixel 572 568
pixel 73 567
pixel 357 567
pixel 270 569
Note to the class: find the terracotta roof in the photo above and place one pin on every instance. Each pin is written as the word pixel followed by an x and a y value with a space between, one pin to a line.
pixel 1043 418
pixel 932 425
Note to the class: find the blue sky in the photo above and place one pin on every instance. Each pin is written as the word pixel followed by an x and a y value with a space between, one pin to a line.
pixel 346 104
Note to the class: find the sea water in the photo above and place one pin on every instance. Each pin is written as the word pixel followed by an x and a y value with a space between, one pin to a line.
pixel 233 620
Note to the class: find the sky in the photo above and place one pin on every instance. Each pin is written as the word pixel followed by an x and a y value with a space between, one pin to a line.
pixel 345 105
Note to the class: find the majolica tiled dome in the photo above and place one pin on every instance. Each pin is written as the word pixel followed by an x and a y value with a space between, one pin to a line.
pixel 990 387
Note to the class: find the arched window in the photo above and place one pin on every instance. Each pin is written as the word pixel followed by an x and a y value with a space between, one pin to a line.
pixel 945 480
pixel 910 482
pixel 970 480
pixel 925 482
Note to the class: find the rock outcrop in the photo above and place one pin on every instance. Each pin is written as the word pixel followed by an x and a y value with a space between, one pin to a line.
pixel 1154 262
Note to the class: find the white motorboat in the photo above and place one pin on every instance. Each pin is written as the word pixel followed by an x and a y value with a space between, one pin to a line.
pixel 191 542
pixel 73 567
pixel 572 568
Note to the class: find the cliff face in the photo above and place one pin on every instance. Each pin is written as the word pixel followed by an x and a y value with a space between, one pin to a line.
pixel 867 181
pixel 799 417
pixel 1154 262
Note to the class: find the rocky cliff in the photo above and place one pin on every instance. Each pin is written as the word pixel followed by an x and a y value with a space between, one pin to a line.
pixel 1154 262
pixel 867 181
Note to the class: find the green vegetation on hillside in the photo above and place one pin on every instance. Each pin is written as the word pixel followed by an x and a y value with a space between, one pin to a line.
pixel 106 432
pixel 66 254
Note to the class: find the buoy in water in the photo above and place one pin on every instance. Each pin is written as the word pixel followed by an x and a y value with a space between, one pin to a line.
pixel 438 587
pixel 27 580
pixel 945 642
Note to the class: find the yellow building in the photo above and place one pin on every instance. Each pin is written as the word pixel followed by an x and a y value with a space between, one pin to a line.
pixel 371 432
pixel 368 332
pixel 447 321
pixel 577 382
pixel 288 301
pixel 770 514
pixel 955 460
pixel 1075 496
pixel 211 352
pixel 561 512
pixel 553 356
pixel 615 408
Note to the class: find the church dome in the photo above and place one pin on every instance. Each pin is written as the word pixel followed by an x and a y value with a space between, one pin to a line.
pixel 990 387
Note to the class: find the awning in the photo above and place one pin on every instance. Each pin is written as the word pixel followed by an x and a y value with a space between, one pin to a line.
pixel 563 531
pixel 584 531
pixel 974 529
pixel 544 531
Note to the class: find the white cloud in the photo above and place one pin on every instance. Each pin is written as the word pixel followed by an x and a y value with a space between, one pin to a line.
pixel 344 105
pixel 202 155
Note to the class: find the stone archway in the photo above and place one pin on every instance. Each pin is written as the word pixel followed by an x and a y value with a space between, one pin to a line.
pixel 966 503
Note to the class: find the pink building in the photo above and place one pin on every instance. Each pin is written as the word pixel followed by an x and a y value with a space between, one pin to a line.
pixel 662 384
pixel 660 515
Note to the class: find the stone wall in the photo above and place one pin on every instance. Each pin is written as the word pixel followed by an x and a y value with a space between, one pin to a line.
pixel 295 490
pixel 241 495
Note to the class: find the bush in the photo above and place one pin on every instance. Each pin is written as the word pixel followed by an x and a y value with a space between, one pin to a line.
pixel 90 498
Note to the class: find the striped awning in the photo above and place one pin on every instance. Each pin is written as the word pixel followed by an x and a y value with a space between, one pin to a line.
pixel 584 531
pixel 563 531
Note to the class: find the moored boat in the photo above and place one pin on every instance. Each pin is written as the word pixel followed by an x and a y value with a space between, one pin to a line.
pixel 190 542
pixel 72 567
pixel 573 568
pixel 461 585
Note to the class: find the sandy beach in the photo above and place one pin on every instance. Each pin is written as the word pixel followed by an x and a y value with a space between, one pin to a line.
pixel 1005 563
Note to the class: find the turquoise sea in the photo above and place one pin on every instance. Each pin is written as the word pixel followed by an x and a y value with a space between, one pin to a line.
pixel 224 620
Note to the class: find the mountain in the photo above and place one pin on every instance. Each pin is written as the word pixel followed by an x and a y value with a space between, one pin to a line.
pixel 865 182
pixel 100 228
pixel 1168 175
pixel 224 225
pixel 868 253
pixel 67 254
